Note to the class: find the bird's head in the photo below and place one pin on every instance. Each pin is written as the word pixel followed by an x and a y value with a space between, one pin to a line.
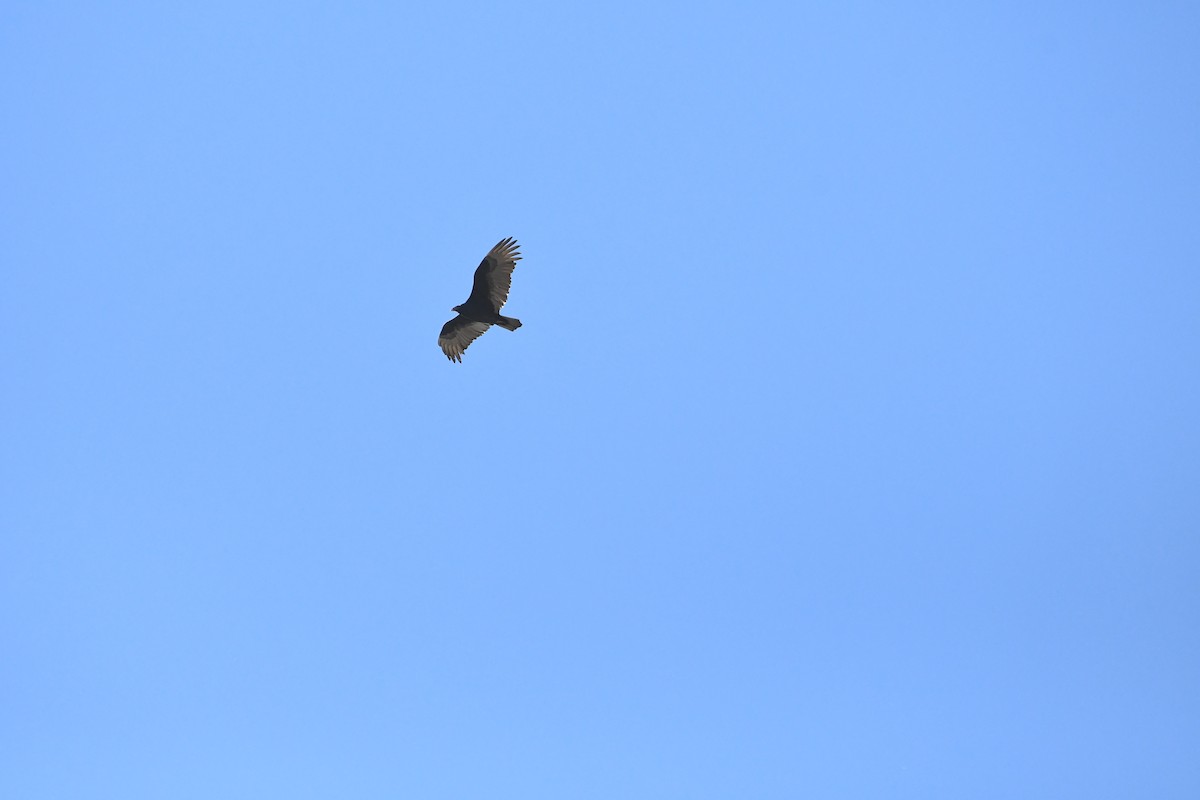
pixel 457 309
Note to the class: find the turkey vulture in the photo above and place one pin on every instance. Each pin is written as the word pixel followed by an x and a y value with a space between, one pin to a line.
pixel 493 278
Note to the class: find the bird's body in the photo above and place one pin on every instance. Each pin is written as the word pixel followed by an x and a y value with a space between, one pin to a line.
pixel 489 293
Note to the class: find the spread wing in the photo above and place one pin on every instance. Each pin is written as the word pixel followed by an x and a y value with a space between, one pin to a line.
pixel 493 276
pixel 457 335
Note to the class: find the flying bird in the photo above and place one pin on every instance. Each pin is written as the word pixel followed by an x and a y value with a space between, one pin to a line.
pixel 493 279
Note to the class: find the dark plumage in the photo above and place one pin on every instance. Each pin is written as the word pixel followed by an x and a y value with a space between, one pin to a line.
pixel 493 279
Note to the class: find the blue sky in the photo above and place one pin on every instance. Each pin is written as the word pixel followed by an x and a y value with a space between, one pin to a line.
pixel 850 447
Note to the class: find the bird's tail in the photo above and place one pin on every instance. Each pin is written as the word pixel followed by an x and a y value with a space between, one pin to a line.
pixel 512 323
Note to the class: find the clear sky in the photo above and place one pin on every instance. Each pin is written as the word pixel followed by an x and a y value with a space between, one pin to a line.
pixel 850 447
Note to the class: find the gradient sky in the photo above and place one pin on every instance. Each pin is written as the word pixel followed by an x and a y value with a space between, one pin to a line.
pixel 850 448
